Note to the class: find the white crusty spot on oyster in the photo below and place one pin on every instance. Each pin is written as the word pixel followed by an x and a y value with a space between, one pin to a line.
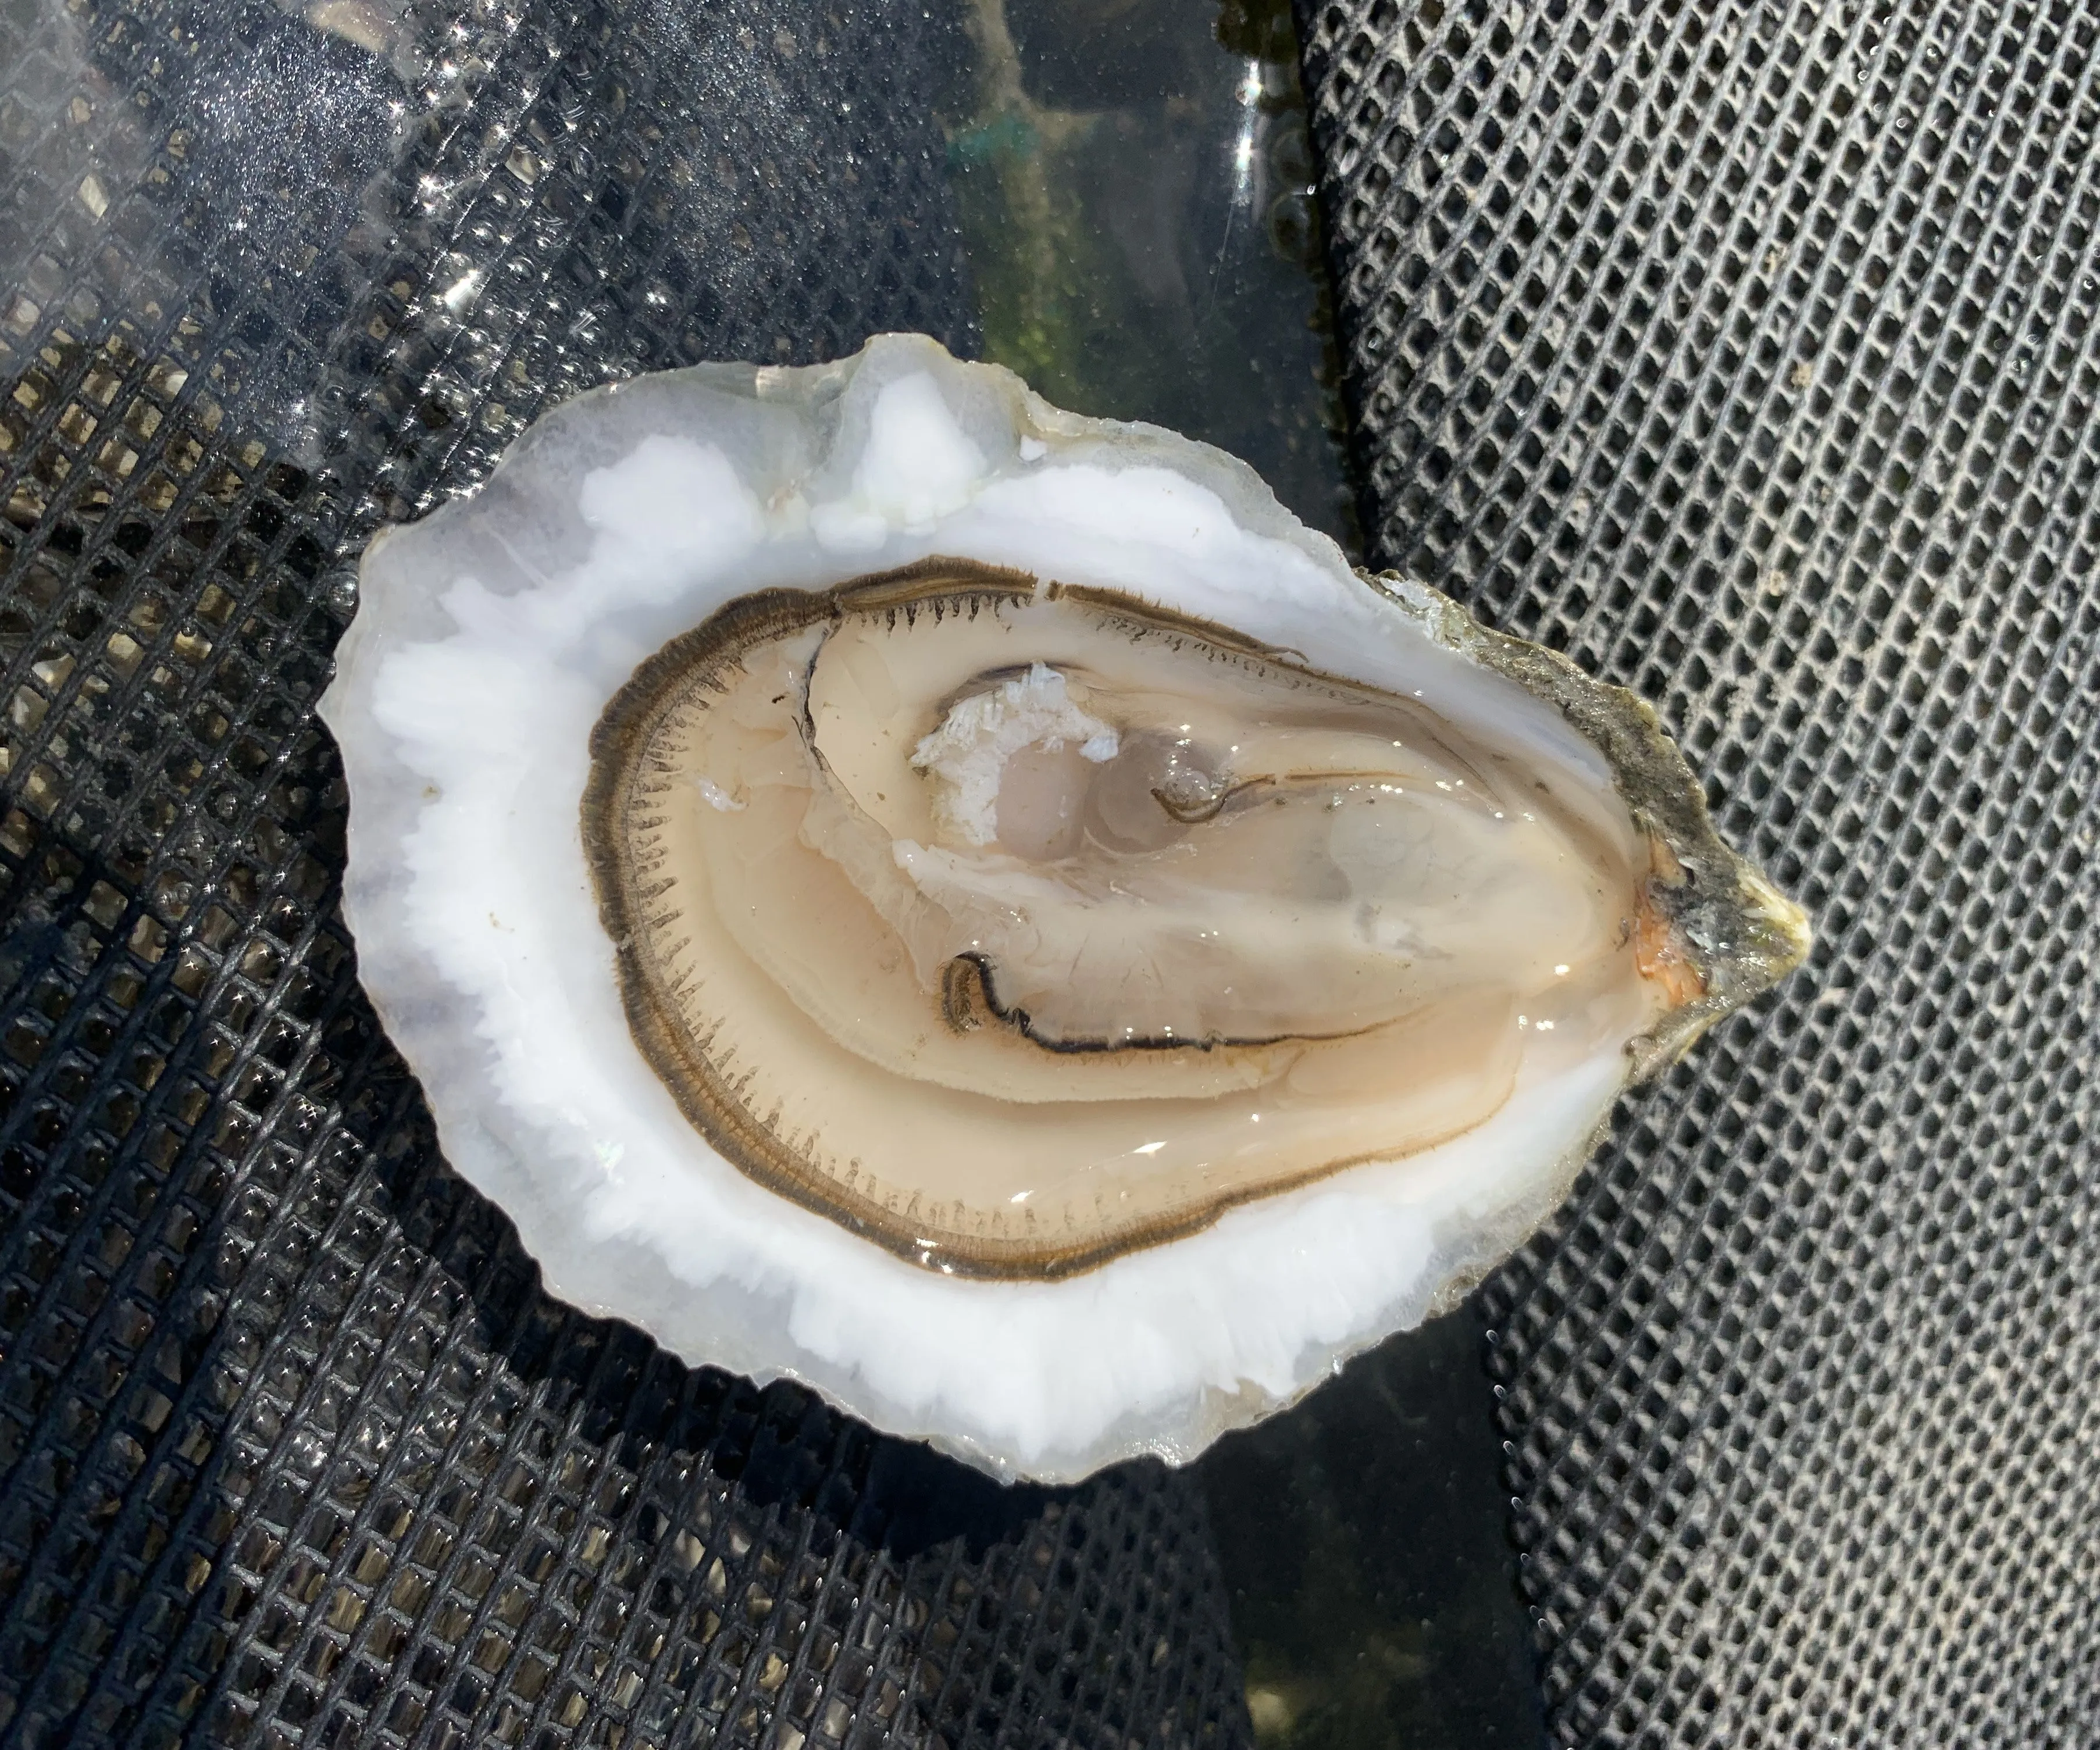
pixel 960 1130
pixel 971 754
pixel 917 466
pixel 670 507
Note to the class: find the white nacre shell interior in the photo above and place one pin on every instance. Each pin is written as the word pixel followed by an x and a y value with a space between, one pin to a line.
pixel 489 638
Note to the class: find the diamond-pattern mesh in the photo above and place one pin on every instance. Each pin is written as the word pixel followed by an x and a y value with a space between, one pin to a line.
pixel 1749 353
pixel 292 1448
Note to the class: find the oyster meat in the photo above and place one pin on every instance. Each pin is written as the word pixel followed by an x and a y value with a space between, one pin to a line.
pixel 977 910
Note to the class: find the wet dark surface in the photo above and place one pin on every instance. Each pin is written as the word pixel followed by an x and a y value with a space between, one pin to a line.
pixel 1362 1537
pixel 1133 181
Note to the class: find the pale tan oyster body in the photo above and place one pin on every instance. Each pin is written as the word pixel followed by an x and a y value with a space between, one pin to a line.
pixel 977 910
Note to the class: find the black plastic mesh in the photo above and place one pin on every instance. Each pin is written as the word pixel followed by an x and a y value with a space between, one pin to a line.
pixel 1749 353
pixel 292 1448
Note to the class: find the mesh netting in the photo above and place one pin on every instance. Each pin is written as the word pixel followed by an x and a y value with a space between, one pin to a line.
pixel 1749 354
pixel 292 1448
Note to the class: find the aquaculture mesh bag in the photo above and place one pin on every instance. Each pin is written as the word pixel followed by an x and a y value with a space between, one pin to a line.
pixel 293 1449
pixel 1745 353
pixel 1748 353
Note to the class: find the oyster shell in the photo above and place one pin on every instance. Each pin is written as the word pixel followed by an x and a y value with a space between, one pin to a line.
pixel 977 910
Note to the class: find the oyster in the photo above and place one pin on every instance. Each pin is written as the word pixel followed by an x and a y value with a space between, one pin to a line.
pixel 977 908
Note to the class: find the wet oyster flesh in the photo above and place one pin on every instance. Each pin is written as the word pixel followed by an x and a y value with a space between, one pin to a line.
pixel 1021 925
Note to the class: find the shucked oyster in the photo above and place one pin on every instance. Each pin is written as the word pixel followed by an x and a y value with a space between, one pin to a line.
pixel 1021 925
pixel 978 910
